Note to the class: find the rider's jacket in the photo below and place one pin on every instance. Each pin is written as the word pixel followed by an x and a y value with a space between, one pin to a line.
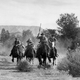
pixel 52 41
pixel 30 45
pixel 42 39
pixel 16 43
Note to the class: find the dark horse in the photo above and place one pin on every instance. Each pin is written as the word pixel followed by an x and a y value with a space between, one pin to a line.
pixel 16 52
pixel 29 53
pixel 53 53
pixel 42 53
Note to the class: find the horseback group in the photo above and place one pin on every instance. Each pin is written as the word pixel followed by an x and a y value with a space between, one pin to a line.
pixel 45 50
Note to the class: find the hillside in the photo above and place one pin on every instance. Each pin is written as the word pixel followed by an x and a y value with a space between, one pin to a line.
pixel 14 28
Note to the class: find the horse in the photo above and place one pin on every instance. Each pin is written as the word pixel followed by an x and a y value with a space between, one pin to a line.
pixel 17 52
pixel 42 53
pixel 29 53
pixel 53 52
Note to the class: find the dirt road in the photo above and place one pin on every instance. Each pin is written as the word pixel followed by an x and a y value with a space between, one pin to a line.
pixel 8 72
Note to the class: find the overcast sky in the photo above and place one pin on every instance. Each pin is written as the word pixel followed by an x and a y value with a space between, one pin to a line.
pixel 34 12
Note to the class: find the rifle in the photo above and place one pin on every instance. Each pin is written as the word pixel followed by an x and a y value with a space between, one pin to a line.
pixel 39 29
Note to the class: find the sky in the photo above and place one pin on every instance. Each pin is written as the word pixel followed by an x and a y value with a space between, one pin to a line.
pixel 34 12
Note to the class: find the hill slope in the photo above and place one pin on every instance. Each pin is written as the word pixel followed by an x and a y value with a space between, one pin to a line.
pixel 14 28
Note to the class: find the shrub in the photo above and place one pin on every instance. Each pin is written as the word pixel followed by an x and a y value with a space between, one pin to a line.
pixel 24 66
pixel 63 64
pixel 71 63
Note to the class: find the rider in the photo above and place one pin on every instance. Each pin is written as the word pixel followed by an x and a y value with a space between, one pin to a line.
pixel 52 40
pixel 42 38
pixel 29 42
pixel 29 45
pixel 15 45
pixel 16 42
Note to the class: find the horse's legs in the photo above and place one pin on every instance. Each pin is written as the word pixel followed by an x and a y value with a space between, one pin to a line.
pixel 12 59
pixel 32 61
pixel 40 61
pixel 44 61
pixel 49 59
pixel 53 61
pixel 18 60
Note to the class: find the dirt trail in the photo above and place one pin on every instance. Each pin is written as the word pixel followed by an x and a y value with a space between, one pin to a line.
pixel 9 72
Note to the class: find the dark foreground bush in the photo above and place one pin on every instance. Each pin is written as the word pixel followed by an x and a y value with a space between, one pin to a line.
pixel 24 66
pixel 71 63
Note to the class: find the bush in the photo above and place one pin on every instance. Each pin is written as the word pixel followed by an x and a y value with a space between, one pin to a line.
pixel 71 63
pixel 24 66
pixel 63 65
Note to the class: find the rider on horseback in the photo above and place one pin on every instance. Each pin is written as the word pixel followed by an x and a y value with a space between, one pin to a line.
pixel 15 48
pixel 29 50
pixel 29 42
pixel 43 39
pixel 43 49
pixel 16 42
pixel 52 40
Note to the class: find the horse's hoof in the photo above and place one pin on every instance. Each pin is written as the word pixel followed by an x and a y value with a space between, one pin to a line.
pixel 53 63
pixel 12 60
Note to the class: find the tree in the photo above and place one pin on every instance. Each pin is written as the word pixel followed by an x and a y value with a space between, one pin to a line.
pixel 68 25
pixel 5 35
pixel 26 33
pixel 3 32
